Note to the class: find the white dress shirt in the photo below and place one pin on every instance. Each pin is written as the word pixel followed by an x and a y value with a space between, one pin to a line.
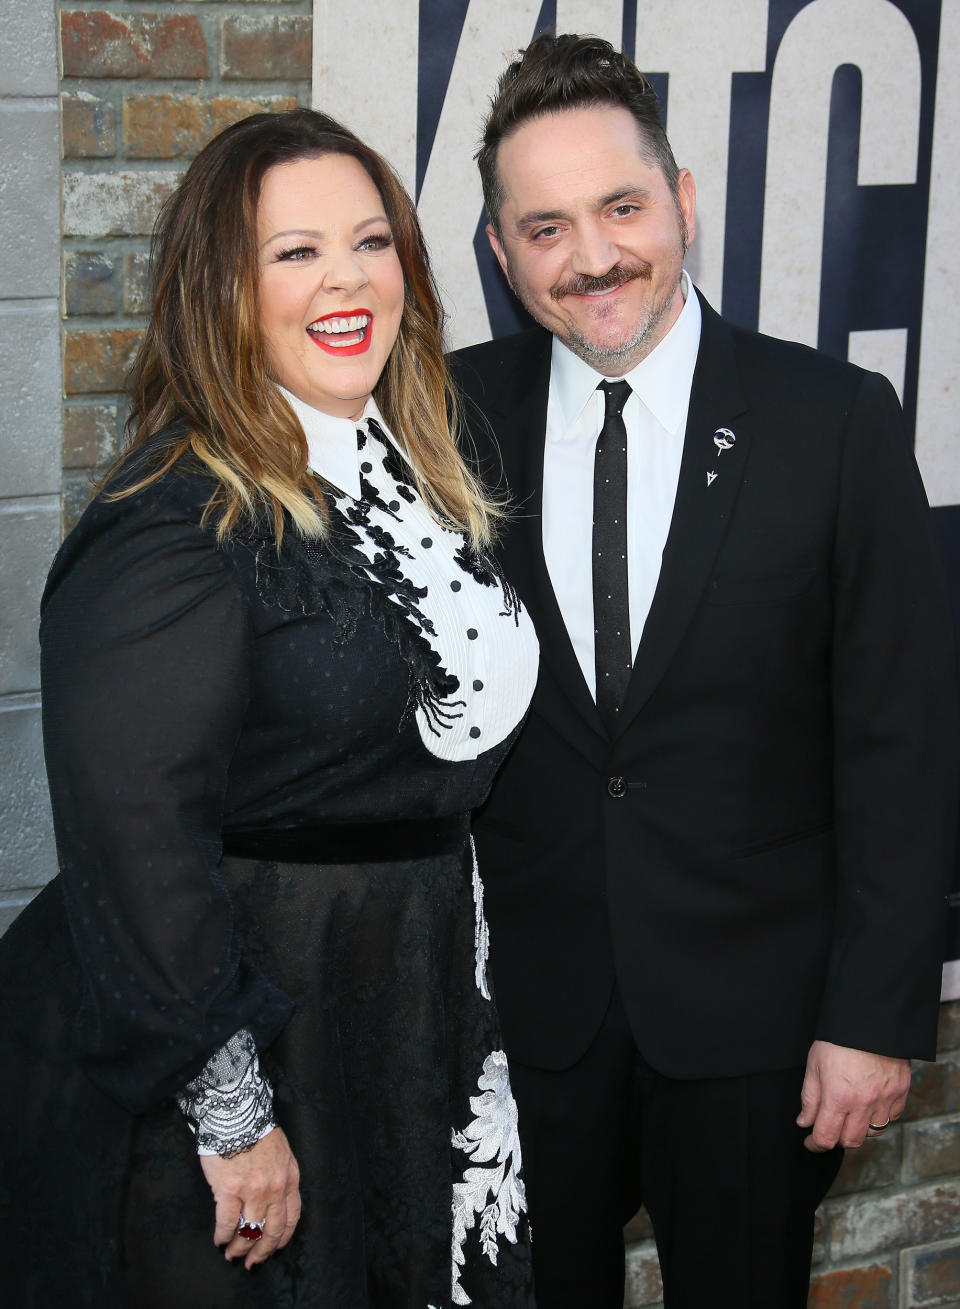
pixel 655 417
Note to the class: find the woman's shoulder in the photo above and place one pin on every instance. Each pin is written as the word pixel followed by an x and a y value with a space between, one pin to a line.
pixel 154 499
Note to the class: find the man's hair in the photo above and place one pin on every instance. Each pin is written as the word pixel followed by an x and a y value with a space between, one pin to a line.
pixel 569 72
pixel 203 358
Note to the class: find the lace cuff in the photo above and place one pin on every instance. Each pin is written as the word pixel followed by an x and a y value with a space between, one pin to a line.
pixel 229 1105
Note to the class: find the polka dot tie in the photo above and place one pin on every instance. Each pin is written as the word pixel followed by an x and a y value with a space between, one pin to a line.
pixel 611 596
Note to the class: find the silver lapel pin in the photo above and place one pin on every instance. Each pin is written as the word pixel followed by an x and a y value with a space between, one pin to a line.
pixel 724 439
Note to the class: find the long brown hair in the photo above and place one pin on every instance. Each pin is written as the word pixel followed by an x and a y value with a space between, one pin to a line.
pixel 203 359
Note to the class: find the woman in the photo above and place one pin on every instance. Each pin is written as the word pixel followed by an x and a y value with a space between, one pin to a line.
pixel 278 670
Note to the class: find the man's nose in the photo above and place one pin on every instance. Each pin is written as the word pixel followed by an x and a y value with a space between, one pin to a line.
pixel 594 252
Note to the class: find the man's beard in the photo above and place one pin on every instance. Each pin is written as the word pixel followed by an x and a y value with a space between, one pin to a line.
pixel 615 360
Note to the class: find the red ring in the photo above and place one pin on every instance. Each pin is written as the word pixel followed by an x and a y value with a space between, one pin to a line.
pixel 250 1232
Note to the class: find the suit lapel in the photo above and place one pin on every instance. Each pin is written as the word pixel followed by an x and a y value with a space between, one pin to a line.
pixel 518 407
pixel 710 478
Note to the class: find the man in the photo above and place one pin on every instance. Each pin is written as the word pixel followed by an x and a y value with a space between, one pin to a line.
pixel 716 859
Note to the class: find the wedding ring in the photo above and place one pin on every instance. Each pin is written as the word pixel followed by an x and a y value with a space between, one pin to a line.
pixel 879 1127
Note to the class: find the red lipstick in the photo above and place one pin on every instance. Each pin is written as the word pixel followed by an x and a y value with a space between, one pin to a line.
pixel 346 333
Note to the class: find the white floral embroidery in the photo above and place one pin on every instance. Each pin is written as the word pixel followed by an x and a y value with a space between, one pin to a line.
pixel 495 1192
pixel 481 932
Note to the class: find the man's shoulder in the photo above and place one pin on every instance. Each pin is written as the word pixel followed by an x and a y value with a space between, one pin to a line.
pixel 489 359
pixel 772 364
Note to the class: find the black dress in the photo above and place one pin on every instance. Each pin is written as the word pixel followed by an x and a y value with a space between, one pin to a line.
pixel 261 766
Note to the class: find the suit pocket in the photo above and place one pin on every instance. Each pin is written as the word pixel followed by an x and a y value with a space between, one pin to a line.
pixel 780 842
pixel 758 590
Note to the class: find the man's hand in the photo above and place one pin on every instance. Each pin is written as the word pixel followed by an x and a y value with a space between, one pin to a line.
pixel 845 1090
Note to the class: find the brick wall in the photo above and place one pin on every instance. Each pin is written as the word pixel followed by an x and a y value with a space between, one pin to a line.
pixel 30 454
pixel 144 85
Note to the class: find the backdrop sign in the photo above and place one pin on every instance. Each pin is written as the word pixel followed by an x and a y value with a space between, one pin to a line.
pixel 821 135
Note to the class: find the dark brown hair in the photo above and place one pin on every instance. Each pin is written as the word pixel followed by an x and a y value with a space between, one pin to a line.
pixel 203 358
pixel 569 72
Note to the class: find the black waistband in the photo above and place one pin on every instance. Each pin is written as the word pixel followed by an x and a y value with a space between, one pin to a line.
pixel 351 843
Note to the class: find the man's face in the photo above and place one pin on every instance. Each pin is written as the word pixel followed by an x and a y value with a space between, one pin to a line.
pixel 592 236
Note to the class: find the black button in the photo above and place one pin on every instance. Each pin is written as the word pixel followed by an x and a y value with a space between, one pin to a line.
pixel 471 633
pixel 366 468
pixel 426 543
pixel 617 787
pixel 478 685
pixel 454 586
pixel 474 732
pixel 393 506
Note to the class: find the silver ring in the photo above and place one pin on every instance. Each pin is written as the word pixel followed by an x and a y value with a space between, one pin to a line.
pixel 880 1127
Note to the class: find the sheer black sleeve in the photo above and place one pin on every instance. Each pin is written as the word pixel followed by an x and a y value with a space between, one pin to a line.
pixel 145 649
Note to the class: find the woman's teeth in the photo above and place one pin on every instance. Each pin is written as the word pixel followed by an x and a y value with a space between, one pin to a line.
pixel 337 325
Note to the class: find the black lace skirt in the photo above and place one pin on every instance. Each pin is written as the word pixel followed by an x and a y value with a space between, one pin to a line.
pixel 390 1084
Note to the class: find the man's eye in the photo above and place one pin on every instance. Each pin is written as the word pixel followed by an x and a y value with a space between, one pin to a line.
pixel 545 233
pixel 623 211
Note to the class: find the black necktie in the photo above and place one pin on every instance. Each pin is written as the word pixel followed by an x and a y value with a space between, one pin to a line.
pixel 611 596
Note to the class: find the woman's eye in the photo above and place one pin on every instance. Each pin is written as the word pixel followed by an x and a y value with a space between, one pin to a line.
pixel 297 253
pixel 378 241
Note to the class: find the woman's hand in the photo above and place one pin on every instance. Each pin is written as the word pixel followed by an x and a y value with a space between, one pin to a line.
pixel 263 1184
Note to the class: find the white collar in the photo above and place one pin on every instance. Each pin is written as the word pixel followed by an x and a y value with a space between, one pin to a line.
pixel 332 442
pixel 662 380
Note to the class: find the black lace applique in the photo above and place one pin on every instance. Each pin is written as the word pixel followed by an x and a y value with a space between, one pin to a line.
pixel 486 571
pixel 335 577
pixel 395 465
pixel 382 538
pixel 373 500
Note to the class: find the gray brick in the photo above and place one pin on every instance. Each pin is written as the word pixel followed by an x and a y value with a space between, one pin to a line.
pixel 28 47
pixel 931 1274
pixel 931 1149
pixel 30 423
pixel 30 198
pixel 864 1224
pixel 643 1285
pixel 876 1163
pixel 92 282
pixel 114 204
pixel 28 857
pixel 29 535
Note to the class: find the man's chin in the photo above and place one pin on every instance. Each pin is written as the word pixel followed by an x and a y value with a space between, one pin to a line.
pixel 613 358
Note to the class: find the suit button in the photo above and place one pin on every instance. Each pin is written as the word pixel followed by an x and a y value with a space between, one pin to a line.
pixel 616 787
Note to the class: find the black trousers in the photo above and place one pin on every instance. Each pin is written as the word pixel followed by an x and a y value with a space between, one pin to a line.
pixel 719 1163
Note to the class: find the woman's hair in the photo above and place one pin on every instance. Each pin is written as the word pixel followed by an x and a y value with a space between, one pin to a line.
pixel 203 358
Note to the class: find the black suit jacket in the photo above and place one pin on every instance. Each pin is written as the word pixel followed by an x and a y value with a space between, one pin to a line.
pixel 762 853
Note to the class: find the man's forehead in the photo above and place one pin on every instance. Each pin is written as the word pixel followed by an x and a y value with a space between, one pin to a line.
pixel 572 137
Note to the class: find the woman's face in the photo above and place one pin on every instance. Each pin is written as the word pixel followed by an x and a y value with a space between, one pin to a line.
pixel 331 285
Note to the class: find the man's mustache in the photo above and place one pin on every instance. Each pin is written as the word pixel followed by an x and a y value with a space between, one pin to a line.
pixel 583 284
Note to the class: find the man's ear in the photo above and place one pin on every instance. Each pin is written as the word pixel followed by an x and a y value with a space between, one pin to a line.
pixel 497 247
pixel 687 200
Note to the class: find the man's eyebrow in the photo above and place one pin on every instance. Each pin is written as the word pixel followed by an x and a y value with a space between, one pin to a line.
pixel 532 219
pixel 537 216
